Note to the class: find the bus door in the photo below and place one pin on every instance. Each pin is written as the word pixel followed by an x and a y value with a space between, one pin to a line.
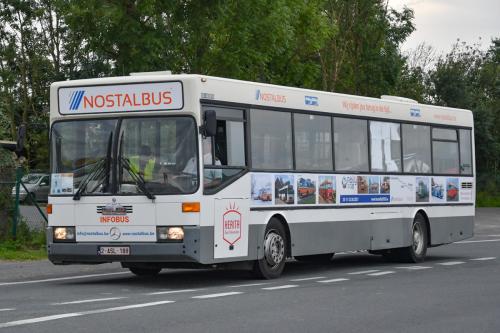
pixel 224 169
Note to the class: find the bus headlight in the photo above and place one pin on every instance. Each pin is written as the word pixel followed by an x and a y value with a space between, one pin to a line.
pixel 66 234
pixel 165 234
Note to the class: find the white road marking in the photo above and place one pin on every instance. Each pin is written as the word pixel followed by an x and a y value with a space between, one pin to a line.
pixel 285 286
pixel 89 300
pixel 172 292
pixel 333 280
pixel 484 258
pixel 7 309
pixel 249 285
pixel 364 272
pixel 381 273
pixel 218 295
pixel 414 268
pixel 38 320
pixel 61 278
pixel 309 278
pixel 478 241
pixel 451 263
pixel 126 307
pixel 79 314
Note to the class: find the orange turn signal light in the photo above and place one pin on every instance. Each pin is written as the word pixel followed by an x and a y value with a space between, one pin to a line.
pixel 190 207
pixel 49 208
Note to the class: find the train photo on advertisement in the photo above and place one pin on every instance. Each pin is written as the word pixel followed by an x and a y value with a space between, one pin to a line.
pixel 155 170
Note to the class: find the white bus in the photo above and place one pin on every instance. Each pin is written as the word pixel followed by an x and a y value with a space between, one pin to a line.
pixel 157 170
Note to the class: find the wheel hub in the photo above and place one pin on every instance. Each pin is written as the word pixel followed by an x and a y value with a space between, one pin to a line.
pixel 274 248
pixel 418 238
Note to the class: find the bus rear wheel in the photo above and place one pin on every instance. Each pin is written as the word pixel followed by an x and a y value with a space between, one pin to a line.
pixel 139 271
pixel 275 252
pixel 417 251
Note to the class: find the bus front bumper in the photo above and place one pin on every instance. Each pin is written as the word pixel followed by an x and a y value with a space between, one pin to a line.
pixel 186 251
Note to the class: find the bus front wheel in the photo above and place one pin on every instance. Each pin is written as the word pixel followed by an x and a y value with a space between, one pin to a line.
pixel 275 244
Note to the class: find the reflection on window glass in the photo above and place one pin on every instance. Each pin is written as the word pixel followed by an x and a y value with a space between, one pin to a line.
pixel 351 144
pixel 271 139
pixel 214 178
pixel 385 146
pixel 445 157
pixel 416 148
pixel 465 152
pixel 225 149
pixel 444 134
pixel 208 151
pixel 81 146
pixel 162 151
pixel 313 144
pixel 229 143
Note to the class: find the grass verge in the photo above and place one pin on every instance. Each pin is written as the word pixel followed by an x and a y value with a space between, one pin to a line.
pixel 28 245
pixel 14 251
pixel 486 199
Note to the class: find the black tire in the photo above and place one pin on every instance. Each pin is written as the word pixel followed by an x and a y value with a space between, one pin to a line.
pixel 275 251
pixel 417 251
pixel 145 271
pixel 322 258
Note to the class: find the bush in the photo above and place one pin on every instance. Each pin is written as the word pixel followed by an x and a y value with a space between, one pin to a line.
pixel 7 180
pixel 488 189
pixel 29 245
pixel 487 199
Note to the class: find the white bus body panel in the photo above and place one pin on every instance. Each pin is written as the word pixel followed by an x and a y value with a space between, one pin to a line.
pixel 231 226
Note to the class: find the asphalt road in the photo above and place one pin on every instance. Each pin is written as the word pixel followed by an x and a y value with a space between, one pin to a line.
pixel 457 289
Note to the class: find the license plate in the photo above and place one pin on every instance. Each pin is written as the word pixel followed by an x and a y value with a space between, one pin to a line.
pixel 113 251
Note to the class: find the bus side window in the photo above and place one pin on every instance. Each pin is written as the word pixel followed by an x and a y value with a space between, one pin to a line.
pixel 351 144
pixel 228 142
pixel 226 149
pixel 416 148
pixel 445 151
pixel 465 151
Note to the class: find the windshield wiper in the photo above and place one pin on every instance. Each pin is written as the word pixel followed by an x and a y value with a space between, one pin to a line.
pixel 98 169
pixel 137 178
pixel 103 166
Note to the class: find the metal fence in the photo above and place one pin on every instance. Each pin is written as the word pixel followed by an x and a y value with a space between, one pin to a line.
pixel 7 181
pixel 28 212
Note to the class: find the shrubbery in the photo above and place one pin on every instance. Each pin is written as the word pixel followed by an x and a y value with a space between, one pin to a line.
pixel 28 244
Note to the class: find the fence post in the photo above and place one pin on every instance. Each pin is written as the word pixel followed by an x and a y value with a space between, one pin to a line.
pixel 19 175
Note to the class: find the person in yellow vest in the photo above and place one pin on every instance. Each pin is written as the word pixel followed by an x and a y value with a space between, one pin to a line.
pixel 144 163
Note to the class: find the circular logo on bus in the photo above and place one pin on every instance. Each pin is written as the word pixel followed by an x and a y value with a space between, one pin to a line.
pixel 115 233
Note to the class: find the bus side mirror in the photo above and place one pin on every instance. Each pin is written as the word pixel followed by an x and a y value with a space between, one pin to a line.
pixel 209 127
pixel 18 146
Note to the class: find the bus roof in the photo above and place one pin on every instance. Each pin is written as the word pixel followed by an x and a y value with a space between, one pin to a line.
pixel 194 87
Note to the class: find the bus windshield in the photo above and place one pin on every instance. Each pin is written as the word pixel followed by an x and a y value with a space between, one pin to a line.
pixel 154 155
pixel 162 151
pixel 81 147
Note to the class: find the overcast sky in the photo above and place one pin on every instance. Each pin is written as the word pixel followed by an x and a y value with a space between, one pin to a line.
pixel 440 22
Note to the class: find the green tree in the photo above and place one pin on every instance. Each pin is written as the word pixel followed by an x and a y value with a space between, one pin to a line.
pixel 362 54
pixel 470 78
